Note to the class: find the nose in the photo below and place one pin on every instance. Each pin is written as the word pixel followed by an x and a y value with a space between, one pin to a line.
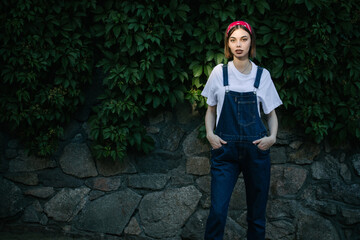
pixel 238 43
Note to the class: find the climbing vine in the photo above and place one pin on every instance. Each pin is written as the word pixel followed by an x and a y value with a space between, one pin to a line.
pixel 155 54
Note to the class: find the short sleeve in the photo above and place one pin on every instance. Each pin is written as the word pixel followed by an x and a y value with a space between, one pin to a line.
pixel 267 93
pixel 211 85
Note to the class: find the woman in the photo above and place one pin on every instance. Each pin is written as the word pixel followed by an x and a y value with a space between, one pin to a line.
pixel 240 142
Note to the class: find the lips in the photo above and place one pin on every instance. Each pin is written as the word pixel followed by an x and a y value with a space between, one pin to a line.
pixel 239 51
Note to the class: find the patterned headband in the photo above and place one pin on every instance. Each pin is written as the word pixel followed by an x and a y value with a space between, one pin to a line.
pixel 242 23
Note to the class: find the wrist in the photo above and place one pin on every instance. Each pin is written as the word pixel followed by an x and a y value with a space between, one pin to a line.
pixel 273 138
pixel 209 134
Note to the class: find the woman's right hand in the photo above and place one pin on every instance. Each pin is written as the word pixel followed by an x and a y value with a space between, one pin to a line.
pixel 215 141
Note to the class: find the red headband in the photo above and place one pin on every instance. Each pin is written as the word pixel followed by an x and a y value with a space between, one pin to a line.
pixel 242 23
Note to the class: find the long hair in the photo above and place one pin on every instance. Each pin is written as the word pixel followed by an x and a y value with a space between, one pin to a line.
pixel 252 51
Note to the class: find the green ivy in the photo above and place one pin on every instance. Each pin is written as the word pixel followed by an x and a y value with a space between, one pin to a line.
pixel 315 64
pixel 156 54
pixel 46 59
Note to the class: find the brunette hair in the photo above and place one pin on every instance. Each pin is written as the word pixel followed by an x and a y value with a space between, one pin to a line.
pixel 252 51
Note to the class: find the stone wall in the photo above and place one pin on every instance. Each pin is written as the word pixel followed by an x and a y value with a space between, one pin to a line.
pixel 315 190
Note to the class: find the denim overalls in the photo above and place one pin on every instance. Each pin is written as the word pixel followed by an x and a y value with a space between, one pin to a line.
pixel 239 124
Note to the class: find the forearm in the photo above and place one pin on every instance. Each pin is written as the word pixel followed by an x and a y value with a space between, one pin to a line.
pixel 210 119
pixel 273 124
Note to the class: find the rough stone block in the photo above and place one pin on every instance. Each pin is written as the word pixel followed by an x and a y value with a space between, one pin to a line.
pixel 306 154
pixel 104 184
pixel 296 144
pixel 76 160
pixel 325 169
pixel 56 178
pixel 205 201
pixel 152 130
pixel 181 180
pixel 345 172
pixel 324 207
pixel 281 208
pixel 133 228
pixel 40 192
pixel 346 193
pixel 94 194
pixel 66 204
pixel 311 194
pixel 25 163
pixel 163 213
pixel 240 217
pixel 193 146
pixel 280 229
pixel 110 167
pixel 170 137
pixel 153 120
pixel 287 180
pixel 198 165
pixel 278 155
pixel 44 220
pixel 33 213
pixel 12 200
pixel 148 181
pixel 204 183
pixel 195 227
pixel 158 162
pixel 286 136
pixel 350 216
pixel 110 213
pixel 27 178
pixel 312 226
pixel 355 159
pixel 233 231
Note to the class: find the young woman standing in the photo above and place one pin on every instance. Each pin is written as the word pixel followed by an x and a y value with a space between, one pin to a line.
pixel 240 142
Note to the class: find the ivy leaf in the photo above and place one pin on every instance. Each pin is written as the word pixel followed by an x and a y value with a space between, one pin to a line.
pixel 309 5
pixel 117 30
pixel 156 101
pixel 219 58
pixel 128 41
pixel 197 70
pixel 207 70
pixel 137 137
pixel 179 95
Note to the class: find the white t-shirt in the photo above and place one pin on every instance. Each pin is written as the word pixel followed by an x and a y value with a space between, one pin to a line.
pixel 214 89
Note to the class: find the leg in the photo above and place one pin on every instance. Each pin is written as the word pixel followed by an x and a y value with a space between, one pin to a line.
pixel 224 175
pixel 257 181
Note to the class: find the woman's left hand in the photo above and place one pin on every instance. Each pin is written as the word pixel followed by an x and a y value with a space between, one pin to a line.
pixel 265 143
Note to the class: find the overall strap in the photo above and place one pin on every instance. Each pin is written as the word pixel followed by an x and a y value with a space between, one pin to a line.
pixel 225 75
pixel 258 76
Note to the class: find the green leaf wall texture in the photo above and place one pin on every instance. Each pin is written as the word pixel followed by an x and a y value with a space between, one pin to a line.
pixel 156 54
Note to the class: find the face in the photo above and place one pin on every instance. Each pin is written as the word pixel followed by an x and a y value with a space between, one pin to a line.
pixel 239 43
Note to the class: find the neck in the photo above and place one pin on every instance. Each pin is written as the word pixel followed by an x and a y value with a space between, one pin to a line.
pixel 242 65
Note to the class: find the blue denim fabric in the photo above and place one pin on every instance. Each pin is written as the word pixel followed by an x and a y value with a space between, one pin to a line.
pixel 239 125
